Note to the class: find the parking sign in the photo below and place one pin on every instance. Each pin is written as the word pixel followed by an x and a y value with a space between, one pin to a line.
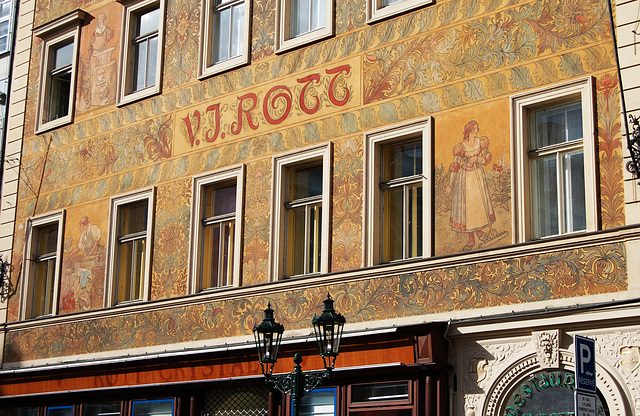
pixel 585 351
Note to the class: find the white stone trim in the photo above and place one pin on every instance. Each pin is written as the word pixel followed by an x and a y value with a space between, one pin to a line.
pixel 114 211
pixel 373 143
pixel 281 163
pixel 232 174
pixel 582 88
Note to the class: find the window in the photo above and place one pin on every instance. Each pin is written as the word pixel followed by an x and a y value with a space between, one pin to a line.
pixel 43 252
pixel 141 50
pixel 6 25
pixel 60 40
pixel 152 407
pixel 60 411
pixel 398 211
pixel 224 36
pixel 555 161
pixel 217 219
pixel 101 409
pixel 395 398
pixel 130 241
pixel 299 22
pixel 382 9
pixel 300 231
pixel 319 402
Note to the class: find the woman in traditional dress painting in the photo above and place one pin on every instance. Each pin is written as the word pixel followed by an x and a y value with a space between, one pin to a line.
pixel 471 207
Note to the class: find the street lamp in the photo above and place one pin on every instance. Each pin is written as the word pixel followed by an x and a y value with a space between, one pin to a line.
pixel 328 330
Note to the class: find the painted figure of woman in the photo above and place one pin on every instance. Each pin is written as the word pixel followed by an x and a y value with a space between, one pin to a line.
pixel 471 207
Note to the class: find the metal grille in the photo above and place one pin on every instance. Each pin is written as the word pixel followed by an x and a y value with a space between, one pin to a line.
pixel 237 401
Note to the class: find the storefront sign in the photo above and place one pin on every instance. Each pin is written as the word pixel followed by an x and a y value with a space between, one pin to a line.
pixel 544 393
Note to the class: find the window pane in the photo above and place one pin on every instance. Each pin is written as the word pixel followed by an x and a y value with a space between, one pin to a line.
pixel 295 241
pixel 4 28
pixel 43 287
pixel 210 256
pixel 140 66
pixel 321 402
pixel 221 35
pixel 47 239
pixel 401 161
pixel 380 392
pixel 300 17
pixel 237 30
pixel 152 57
pixel 545 196
pixel 109 409
pixel 59 95
pixel 305 183
pixel 317 14
pixel 62 56
pixel 217 255
pixel 131 269
pixel 4 43
pixel 60 411
pixel 133 218
pixel 19 412
pixel 148 22
pixel 555 125
pixel 315 233
pixel 152 408
pixel 220 201
pixel 386 3
pixel 392 224
pixel 5 9
pixel 414 221
pixel 575 210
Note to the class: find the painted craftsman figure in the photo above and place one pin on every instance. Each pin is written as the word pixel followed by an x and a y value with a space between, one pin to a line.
pixel 89 238
pixel 471 207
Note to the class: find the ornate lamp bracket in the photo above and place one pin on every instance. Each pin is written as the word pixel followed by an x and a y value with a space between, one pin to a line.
pixel 633 143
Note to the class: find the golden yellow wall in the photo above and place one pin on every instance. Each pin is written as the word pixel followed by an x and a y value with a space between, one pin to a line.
pixel 457 61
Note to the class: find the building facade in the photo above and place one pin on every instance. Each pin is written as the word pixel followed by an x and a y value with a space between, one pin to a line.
pixel 452 173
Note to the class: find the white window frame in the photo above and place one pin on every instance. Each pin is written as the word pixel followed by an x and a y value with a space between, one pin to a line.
pixel 232 175
pixel 376 11
pixel 111 281
pixel 132 9
pixel 207 40
pixel 374 142
pixel 521 104
pixel 320 154
pixel 285 42
pixel 56 33
pixel 33 224
pixel 9 19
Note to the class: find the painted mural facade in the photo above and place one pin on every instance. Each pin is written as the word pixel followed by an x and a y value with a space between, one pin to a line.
pixel 458 61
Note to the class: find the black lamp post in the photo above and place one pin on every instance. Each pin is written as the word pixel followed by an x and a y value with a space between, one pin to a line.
pixel 328 329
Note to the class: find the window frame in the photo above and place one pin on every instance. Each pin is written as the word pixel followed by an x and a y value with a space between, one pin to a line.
pixel 231 175
pixel 521 105
pixel 205 67
pixel 59 32
pixel 284 42
pixel 132 404
pixel 282 164
pixel 334 390
pixel 9 19
pixel 133 9
pixel 112 278
pixel 375 142
pixel 376 12
pixel 29 267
